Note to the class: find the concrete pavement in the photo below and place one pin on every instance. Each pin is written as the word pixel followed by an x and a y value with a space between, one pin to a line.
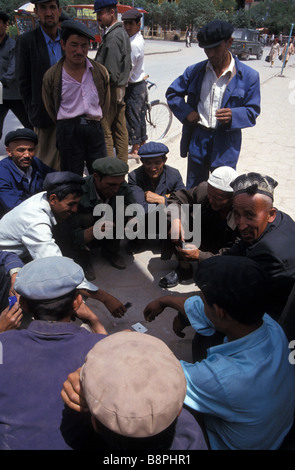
pixel 267 148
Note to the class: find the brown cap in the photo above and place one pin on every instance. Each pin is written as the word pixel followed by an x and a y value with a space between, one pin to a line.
pixel 133 384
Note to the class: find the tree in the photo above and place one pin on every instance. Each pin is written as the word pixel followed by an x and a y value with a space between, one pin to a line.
pixel 195 12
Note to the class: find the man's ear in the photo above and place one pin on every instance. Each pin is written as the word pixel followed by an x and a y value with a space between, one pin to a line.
pixel 272 214
pixel 77 302
pixel 52 199
pixel 219 312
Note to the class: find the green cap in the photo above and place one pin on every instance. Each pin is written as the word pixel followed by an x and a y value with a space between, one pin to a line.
pixel 110 166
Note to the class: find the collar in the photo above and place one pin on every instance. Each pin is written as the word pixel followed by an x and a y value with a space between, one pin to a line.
pixel 18 174
pixel 48 38
pixel 48 328
pixel 230 69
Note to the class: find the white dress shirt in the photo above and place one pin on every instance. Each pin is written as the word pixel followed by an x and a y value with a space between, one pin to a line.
pixel 137 57
pixel 212 92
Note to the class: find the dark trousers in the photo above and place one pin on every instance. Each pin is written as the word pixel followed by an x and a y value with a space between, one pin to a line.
pixel 4 288
pixel 17 107
pixel 79 141
pixel 135 99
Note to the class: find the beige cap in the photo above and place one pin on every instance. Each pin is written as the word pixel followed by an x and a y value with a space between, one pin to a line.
pixel 133 384
pixel 222 177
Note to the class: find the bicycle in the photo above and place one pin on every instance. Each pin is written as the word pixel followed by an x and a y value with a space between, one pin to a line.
pixel 158 116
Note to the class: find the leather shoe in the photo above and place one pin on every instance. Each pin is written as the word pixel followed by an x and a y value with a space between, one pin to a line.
pixel 173 278
pixel 116 260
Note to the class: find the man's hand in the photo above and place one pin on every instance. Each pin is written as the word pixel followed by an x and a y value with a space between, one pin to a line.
pixel 11 319
pixel 11 290
pixel 153 309
pixel 72 393
pixel 178 326
pixel 224 115
pixel 191 252
pixel 88 316
pixel 193 118
pixel 154 198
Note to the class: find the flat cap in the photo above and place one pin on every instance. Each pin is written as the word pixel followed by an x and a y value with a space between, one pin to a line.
pixel 21 134
pixel 213 33
pixel 50 278
pixel 236 283
pixel 132 14
pixel 100 4
pixel 253 183
pixel 133 384
pixel 110 166
pixel 60 180
pixel 77 27
pixel 152 149
pixel 222 177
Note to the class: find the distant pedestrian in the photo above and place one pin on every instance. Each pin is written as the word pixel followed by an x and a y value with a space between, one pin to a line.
pixel 274 51
pixel 290 51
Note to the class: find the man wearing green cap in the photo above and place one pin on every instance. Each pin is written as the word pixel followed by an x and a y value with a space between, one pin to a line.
pixel 99 189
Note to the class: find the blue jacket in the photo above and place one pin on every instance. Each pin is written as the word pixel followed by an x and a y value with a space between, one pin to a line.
pixel 170 181
pixel 242 95
pixel 13 188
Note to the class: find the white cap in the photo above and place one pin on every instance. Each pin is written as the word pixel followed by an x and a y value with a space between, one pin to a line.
pixel 222 177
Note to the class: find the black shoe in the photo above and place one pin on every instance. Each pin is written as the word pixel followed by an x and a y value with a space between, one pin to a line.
pixel 116 260
pixel 173 278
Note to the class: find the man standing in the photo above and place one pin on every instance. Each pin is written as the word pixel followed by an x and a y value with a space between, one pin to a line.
pixel 21 173
pixel 76 95
pixel 115 54
pixel 136 91
pixel 223 97
pixel 36 52
pixel 11 99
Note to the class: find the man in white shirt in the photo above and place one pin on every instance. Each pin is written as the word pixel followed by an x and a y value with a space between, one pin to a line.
pixel 136 91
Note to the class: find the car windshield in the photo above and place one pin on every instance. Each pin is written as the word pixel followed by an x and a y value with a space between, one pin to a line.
pixel 238 34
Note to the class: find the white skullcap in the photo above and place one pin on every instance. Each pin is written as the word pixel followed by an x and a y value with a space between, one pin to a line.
pixel 222 177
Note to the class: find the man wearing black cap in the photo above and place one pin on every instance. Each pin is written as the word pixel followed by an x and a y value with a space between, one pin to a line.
pixel 243 389
pixel 136 91
pixel 21 173
pixel 11 99
pixel 36 51
pixel 223 98
pixel 115 54
pixel 76 95
pixel 100 189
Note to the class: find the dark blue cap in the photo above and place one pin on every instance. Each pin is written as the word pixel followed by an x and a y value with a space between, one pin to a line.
pixel 152 149
pixel 100 4
pixel 21 134
pixel 213 33
pixel 61 179
pixel 78 27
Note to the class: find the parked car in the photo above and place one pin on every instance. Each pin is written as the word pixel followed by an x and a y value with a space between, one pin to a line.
pixel 246 43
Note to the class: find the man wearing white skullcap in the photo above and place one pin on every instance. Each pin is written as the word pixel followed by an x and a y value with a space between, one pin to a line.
pixel 218 230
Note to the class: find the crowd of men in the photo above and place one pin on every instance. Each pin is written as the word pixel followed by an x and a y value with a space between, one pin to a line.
pixel 73 385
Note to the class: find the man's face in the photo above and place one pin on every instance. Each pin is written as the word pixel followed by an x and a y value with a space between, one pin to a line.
pixel 131 27
pixel 219 200
pixel 48 13
pixel 218 55
pixel 252 214
pixel 3 28
pixel 105 17
pixel 22 153
pixel 76 49
pixel 108 186
pixel 63 209
pixel 153 166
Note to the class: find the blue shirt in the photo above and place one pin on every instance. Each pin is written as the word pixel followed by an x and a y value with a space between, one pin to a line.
pixel 53 47
pixel 36 362
pixel 244 387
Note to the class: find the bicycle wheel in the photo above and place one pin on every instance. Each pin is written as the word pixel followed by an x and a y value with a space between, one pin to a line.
pixel 158 119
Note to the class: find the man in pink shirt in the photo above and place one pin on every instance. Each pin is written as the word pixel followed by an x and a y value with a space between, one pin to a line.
pixel 76 95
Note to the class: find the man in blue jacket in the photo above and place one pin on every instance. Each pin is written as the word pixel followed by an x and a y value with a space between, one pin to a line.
pixel 223 97
pixel 21 173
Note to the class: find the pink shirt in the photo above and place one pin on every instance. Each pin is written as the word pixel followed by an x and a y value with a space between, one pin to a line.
pixel 79 98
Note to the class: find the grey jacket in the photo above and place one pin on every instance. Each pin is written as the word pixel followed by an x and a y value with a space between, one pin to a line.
pixel 115 54
pixel 7 69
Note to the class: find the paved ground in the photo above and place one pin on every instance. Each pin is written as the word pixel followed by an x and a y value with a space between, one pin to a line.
pixel 267 148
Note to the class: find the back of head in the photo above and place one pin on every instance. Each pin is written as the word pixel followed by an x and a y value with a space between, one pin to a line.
pixel 4 17
pixel 235 283
pixel 133 384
